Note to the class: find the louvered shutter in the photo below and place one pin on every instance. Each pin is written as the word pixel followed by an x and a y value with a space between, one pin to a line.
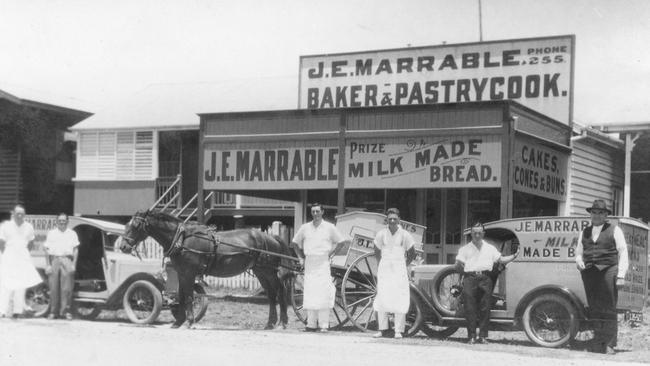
pixel 143 168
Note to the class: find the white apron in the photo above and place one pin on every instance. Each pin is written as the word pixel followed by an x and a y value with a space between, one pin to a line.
pixel 392 286
pixel 392 278
pixel 319 291
pixel 17 270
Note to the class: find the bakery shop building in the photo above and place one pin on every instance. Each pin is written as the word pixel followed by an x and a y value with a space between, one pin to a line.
pixel 448 134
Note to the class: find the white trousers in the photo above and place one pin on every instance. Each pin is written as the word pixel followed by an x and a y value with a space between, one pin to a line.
pixel 7 295
pixel 400 321
pixel 319 317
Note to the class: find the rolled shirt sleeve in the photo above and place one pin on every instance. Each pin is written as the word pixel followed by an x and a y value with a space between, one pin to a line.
pixel 621 247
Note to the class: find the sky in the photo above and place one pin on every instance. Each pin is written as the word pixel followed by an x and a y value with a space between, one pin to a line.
pixel 98 53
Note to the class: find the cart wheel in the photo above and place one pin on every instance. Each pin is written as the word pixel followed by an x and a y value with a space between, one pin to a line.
pixel 295 286
pixel 38 298
pixel 338 317
pixel 200 303
pixel 414 317
pixel 142 302
pixel 550 321
pixel 358 289
pixel 436 331
pixel 445 302
pixel 86 310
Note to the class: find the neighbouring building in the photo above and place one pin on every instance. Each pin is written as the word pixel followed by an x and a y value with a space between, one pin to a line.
pixel 37 159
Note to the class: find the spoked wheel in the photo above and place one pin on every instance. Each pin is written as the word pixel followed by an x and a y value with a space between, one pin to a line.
pixel 200 303
pixel 38 298
pixel 338 318
pixel 445 297
pixel 414 317
pixel 86 310
pixel 359 289
pixel 550 320
pixel 142 302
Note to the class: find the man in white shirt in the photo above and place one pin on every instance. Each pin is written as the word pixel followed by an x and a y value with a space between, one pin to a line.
pixel 392 244
pixel 476 260
pixel 61 247
pixel 315 243
pixel 17 271
pixel 601 258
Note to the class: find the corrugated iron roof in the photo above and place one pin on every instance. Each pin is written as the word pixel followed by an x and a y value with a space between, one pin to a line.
pixel 176 105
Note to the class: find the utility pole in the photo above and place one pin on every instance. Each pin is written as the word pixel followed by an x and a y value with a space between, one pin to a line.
pixel 480 22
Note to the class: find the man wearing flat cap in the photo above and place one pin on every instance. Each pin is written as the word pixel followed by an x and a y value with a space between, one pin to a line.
pixel 601 258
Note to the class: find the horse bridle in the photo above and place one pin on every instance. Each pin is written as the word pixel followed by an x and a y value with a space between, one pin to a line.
pixel 130 240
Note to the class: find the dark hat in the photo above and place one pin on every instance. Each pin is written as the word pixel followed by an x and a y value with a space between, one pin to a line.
pixel 599 205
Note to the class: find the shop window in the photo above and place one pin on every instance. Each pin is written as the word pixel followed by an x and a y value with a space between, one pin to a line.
pixel 404 201
pixel 365 199
pixel 528 205
pixel 453 230
pixel 483 205
pixel 433 216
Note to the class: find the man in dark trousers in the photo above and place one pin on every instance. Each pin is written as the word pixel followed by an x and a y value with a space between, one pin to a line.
pixel 601 258
pixel 476 260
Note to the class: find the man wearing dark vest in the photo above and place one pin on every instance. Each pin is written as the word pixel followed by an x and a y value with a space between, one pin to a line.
pixel 601 258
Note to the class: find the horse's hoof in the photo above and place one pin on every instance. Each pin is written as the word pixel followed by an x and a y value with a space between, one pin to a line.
pixel 284 325
pixel 175 326
pixel 269 327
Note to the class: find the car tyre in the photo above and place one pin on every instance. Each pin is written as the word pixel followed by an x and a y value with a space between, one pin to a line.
pixel 142 302
pixel 550 320
pixel 86 310
pixel 38 299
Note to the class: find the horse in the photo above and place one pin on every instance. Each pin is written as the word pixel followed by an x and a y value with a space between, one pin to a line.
pixel 195 250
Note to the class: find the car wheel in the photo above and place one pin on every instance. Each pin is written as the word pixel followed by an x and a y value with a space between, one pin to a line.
pixel 200 303
pixel 86 310
pixel 142 302
pixel 550 320
pixel 445 299
pixel 38 299
pixel 414 317
pixel 436 331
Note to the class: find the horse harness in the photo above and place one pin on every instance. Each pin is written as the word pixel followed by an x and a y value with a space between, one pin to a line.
pixel 211 235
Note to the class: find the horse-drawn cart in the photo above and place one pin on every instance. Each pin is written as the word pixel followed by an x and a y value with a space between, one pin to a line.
pixel 354 269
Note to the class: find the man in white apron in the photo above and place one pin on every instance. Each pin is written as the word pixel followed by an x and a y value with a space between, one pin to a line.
pixel 391 246
pixel 17 271
pixel 315 243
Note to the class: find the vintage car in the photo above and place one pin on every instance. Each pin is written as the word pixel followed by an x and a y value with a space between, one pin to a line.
pixel 541 292
pixel 106 278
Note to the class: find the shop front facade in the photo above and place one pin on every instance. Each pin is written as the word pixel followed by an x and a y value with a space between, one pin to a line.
pixel 444 166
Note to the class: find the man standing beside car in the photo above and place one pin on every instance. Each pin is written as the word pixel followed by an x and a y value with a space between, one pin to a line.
pixel 476 261
pixel 61 248
pixel 601 258
pixel 315 243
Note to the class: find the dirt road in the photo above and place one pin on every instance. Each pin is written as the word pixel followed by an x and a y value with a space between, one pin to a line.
pixel 42 342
